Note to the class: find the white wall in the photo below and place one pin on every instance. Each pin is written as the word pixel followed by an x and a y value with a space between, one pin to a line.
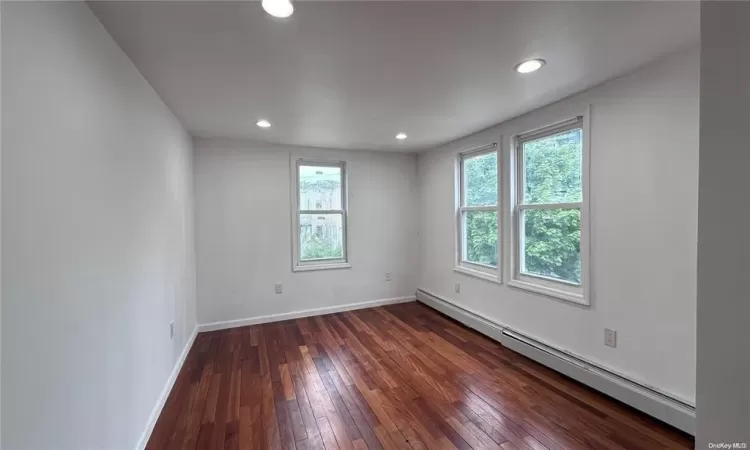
pixel 243 231
pixel 1 290
pixel 97 253
pixel 644 178
pixel 723 243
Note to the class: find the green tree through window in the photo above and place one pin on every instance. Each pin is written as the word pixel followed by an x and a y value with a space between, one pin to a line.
pixel 552 236
pixel 480 227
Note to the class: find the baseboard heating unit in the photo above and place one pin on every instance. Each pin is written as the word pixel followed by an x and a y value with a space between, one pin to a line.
pixel 654 402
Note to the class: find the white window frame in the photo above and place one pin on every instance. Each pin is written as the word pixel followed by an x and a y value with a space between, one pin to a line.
pixel 299 265
pixel 481 271
pixel 551 287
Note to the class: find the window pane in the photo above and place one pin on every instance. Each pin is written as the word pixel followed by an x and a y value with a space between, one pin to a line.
pixel 480 180
pixel 552 167
pixel 480 237
pixel 551 243
pixel 320 187
pixel 321 236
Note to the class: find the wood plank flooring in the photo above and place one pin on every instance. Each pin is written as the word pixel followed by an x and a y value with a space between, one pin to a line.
pixel 394 377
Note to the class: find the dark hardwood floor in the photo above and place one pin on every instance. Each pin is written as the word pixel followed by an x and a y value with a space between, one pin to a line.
pixel 400 376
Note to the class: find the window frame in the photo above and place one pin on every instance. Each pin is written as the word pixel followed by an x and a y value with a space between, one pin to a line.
pixel 477 270
pixel 552 287
pixel 298 264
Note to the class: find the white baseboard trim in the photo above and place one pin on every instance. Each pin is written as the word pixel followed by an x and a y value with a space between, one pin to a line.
pixel 651 401
pixel 162 400
pixel 466 316
pixel 299 314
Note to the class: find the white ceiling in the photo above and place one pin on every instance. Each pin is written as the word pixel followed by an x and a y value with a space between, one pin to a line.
pixel 353 74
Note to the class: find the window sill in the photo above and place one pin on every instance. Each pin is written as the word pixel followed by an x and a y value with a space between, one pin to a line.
pixel 329 266
pixel 492 278
pixel 561 294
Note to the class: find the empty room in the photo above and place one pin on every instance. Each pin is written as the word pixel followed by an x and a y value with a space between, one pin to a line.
pixel 308 224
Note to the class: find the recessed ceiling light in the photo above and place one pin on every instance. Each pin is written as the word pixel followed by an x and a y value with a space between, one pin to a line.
pixel 401 136
pixel 263 123
pixel 529 66
pixel 278 8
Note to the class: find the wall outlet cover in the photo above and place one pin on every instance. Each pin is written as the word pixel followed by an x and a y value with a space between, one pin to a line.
pixel 610 337
pixel 278 288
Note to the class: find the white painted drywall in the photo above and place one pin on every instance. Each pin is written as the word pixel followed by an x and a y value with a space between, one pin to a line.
pixel 1 261
pixel 644 179
pixel 97 253
pixel 243 231
pixel 723 392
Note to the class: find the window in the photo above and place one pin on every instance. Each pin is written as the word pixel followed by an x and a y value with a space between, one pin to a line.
pixel 549 211
pixel 319 234
pixel 477 214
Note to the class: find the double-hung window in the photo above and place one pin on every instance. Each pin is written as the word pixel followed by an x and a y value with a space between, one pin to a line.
pixel 477 214
pixel 548 211
pixel 319 215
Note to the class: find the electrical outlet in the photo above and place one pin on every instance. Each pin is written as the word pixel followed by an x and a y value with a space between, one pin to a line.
pixel 388 276
pixel 457 287
pixel 278 288
pixel 610 337
pixel 171 330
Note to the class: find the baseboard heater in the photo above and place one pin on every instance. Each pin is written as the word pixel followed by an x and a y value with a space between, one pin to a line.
pixel 650 400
